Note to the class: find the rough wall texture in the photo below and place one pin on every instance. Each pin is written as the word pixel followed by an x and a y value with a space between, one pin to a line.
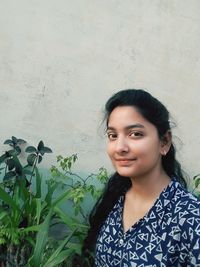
pixel 61 60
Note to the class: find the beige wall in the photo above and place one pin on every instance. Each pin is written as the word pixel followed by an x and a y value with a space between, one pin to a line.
pixel 60 60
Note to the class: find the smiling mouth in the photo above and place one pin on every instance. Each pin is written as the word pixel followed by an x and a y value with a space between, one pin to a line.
pixel 124 161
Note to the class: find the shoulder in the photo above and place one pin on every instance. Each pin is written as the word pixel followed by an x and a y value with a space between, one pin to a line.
pixel 185 199
pixel 186 209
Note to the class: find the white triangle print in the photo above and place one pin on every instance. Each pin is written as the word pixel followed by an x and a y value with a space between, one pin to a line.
pixel 144 256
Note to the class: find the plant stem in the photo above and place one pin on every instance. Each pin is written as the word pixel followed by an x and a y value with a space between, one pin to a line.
pixel 33 170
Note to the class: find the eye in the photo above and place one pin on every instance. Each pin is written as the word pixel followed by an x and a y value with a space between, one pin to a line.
pixel 136 134
pixel 112 136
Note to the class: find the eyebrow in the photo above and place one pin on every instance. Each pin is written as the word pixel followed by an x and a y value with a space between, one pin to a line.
pixel 137 125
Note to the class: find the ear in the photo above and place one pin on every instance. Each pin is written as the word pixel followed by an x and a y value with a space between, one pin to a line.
pixel 166 142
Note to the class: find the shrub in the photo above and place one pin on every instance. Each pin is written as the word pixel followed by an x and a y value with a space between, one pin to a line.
pixel 30 216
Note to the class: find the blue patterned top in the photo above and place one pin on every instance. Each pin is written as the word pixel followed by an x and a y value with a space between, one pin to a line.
pixel 167 236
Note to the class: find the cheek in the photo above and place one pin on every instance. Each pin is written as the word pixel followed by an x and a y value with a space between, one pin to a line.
pixel 146 148
pixel 109 149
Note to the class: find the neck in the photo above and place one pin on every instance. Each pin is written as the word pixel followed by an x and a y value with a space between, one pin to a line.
pixel 149 186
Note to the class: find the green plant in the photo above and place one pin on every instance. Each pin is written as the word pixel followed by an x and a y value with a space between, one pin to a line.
pixel 196 189
pixel 79 190
pixel 30 215
pixel 20 208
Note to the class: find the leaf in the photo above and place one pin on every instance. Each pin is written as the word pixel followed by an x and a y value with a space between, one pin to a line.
pixel 31 158
pixel 30 149
pixel 69 165
pixel 39 159
pixel 33 228
pixel 59 158
pixel 197 182
pixel 11 153
pixel 8 200
pixel 11 164
pixel 8 142
pixel 27 172
pixel 18 166
pixel 61 256
pixel 14 140
pixel 21 141
pixel 75 157
pixel 40 145
pixel 41 240
pixel 51 188
pixel 4 214
pixel 45 150
pixel 9 175
pixel 57 256
pixel 75 247
pixel 68 220
pixel 30 240
pixel 38 183
pixel 38 209
pixel 18 149
pixel 64 196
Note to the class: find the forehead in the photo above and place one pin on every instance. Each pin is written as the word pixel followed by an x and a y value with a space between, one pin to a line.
pixel 123 116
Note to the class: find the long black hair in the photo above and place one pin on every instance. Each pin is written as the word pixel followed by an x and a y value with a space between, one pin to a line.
pixel 156 113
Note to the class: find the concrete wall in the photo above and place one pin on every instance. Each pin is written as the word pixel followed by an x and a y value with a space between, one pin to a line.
pixel 60 61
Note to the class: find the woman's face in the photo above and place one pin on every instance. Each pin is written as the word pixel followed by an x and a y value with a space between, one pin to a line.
pixel 133 143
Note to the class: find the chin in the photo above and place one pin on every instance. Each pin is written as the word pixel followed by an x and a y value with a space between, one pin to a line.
pixel 125 173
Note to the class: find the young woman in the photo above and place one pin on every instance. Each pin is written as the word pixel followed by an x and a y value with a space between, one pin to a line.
pixel 145 217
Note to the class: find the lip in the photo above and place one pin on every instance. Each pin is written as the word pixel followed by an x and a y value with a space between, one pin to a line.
pixel 124 161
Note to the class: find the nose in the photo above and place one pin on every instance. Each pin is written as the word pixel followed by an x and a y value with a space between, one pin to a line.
pixel 121 145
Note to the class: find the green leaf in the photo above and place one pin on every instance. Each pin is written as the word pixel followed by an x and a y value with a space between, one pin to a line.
pixel 31 158
pixel 8 142
pixel 4 214
pixel 75 157
pixel 40 145
pixel 18 166
pixel 30 149
pixel 27 172
pixel 69 165
pixel 75 247
pixel 63 255
pixel 59 158
pixel 45 150
pixel 21 141
pixel 14 140
pixel 51 188
pixel 68 220
pixel 197 182
pixel 11 153
pixel 11 164
pixel 38 183
pixel 58 256
pixel 64 196
pixel 39 159
pixel 8 200
pixel 9 175
pixel 38 210
pixel 41 240
pixel 33 228
pixel 18 149
pixel 30 240
pixel 196 176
